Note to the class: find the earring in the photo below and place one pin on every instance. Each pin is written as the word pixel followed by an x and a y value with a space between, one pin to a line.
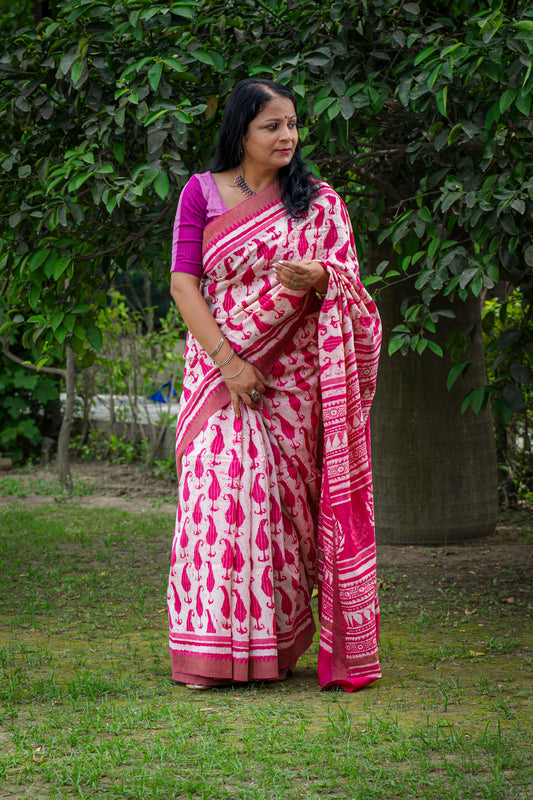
pixel 241 153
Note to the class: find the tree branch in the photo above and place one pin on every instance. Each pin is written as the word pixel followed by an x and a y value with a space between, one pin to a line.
pixel 52 370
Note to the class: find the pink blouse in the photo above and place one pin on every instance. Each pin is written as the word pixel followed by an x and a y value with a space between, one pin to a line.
pixel 199 203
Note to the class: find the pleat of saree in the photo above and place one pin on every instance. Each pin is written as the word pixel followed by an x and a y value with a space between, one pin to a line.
pixel 244 557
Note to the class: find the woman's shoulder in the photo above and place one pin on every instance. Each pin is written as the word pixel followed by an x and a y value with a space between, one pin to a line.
pixel 197 182
pixel 197 190
pixel 323 187
pixel 326 192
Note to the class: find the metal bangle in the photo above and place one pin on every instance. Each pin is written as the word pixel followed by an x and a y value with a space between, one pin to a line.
pixel 227 360
pixel 217 348
pixel 230 377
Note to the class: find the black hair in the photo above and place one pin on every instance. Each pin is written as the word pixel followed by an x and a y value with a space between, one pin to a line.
pixel 246 101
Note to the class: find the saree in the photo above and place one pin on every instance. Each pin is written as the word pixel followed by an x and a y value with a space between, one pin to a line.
pixel 280 498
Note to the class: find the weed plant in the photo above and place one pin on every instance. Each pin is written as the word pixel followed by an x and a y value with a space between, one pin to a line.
pixel 88 709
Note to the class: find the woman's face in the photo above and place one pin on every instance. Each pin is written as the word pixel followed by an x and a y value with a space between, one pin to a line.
pixel 272 136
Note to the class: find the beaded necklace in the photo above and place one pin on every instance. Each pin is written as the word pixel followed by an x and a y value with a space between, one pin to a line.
pixel 241 184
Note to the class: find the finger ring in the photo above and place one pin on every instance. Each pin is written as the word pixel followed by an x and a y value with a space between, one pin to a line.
pixel 295 284
pixel 255 396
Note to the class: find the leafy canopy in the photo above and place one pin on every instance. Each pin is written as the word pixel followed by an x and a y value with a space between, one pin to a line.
pixel 419 113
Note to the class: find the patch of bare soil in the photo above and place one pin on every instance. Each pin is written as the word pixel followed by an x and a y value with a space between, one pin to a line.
pixel 98 484
pixel 498 567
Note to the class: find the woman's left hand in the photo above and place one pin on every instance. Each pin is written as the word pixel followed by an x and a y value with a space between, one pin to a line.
pixel 302 275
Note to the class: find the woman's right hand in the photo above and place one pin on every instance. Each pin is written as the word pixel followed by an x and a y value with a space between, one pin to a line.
pixel 241 387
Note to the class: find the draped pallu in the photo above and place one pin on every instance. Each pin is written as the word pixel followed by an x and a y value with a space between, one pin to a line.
pixel 281 497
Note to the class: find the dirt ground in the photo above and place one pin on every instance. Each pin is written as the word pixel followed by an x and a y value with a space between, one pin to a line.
pixel 499 566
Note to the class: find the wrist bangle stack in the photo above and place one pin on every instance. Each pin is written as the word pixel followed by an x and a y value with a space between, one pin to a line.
pixel 217 348
pixel 230 377
pixel 232 353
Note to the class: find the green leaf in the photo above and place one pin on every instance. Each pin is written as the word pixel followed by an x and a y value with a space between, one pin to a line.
pixel 347 107
pixel 433 76
pixel 321 105
pixel 173 64
pixel 441 100
pixel 77 181
pixel 492 116
pixel 457 371
pixel 77 69
pixel 161 184
pixel 467 275
pixel 155 115
pixel 94 337
pixel 425 214
pixel 182 10
pixel 428 51
pixel 528 255
pixel 56 320
pixel 34 296
pixel 476 399
pixel 60 266
pixel 66 62
pixel 506 99
pixel 182 116
pixel 38 258
pixel 404 91
pixel 395 344
pixel 520 373
pixel 119 150
pixel 435 348
pixel 204 57
pixel 154 75
pixel 514 397
pixel 477 284
pixel 433 247
pixel 371 279
pixel 523 103
pixel 333 110
pixel 449 200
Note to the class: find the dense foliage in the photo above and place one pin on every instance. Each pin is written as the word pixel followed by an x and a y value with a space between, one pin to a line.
pixel 419 113
pixel 28 409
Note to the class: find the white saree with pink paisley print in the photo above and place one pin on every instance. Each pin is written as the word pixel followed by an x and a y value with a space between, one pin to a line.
pixel 281 498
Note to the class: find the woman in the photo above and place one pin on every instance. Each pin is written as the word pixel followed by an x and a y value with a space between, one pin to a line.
pixel 281 361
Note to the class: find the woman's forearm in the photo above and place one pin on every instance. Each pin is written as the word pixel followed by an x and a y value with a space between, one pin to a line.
pixel 241 377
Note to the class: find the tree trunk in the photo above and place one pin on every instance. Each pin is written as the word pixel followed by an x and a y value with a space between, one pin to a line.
pixel 434 468
pixel 63 442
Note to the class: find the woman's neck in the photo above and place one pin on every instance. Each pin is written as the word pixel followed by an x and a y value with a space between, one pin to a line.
pixel 255 178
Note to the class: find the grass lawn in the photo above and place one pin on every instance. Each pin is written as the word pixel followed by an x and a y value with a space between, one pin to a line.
pixel 88 710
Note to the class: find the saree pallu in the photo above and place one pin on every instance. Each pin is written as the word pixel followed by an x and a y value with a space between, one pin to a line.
pixel 260 519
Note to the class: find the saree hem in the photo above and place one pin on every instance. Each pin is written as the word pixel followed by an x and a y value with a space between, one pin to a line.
pixel 202 668
pixel 349 685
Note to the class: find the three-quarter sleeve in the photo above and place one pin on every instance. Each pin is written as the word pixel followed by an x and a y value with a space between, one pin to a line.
pixel 188 229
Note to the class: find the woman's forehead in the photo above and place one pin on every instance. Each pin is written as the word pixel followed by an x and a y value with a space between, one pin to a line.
pixel 277 108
